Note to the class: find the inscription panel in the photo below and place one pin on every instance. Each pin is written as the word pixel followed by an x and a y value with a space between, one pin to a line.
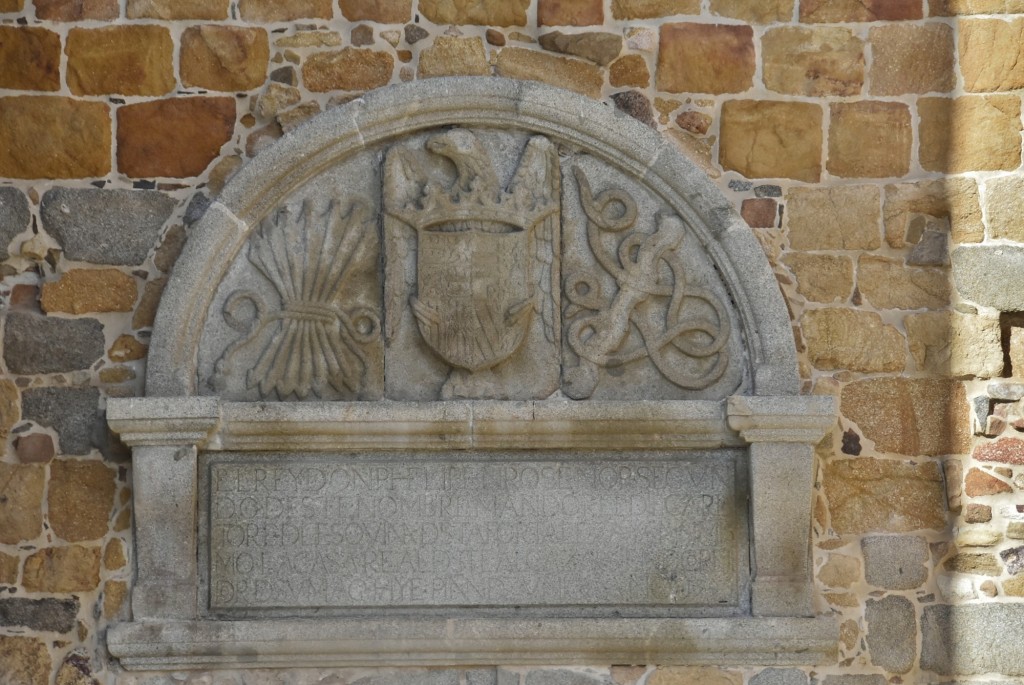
pixel 657 534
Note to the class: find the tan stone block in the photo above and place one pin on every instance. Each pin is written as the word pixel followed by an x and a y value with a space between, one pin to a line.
pixel 953 8
pixel 652 9
pixel 911 58
pixel 852 340
pixel 285 10
pixel 114 593
pixel 145 313
pixel 80 499
pixel 113 555
pixel 978 537
pixel 297 116
pixel 120 60
pixel 116 374
pixel 884 496
pixel 693 675
pixel 1014 587
pixel 1017 351
pixel 86 291
pixel 976 513
pixel 384 11
pixel 849 633
pixel 830 11
pixel 951 343
pixel 127 348
pixel 454 56
pixel 30 58
pixel 483 12
pixel 705 58
pixel 597 46
pixel 24 661
pixel 76 10
pixel 310 39
pixel 970 133
pixel 10 407
pixel 10 564
pixel 814 61
pixel 909 416
pixel 992 54
pixel 763 139
pixel 275 99
pixel 11 5
pixel 177 9
pixel 224 58
pixel 21 502
pixel 564 72
pixel 222 172
pixel 842 599
pixel 754 11
pixel 980 564
pixel 955 199
pixel 53 137
pixel 840 570
pixel 347 69
pixel 176 138
pixel 1004 201
pixel 629 71
pixel 890 284
pixel 570 12
pixel 62 569
pixel 836 218
pixel 821 278
pixel 869 139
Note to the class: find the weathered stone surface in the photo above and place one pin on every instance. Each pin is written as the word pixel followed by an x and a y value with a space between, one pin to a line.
pixel 521 63
pixel 454 56
pixel 10 565
pixel 113 555
pixel 347 69
pixel 954 199
pixel 62 569
pixel 840 570
pixel 225 58
pixel 1003 451
pixel 383 11
pixel 650 9
pixel 828 11
pixel 889 284
pixel 84 291
pixel 869 139
pixel 877 495
pixel 176 138
pixel 694 122
pixel 486 12
pixel 120 60
pixel 296 116
pixel 570 12
pixel 836 218
pixel 14 217
pixel 972 272
pixel 177 9
pixel 952 8
pixel 970 133
pixel 973 562
pixel 853 340
pixel 53 137
pixel 114 593
pixel 629 70
pixel 72 412
pixel 911 58
pixel 821 278
pixel 57 615
pixel 1014 560
pixel 21 495
pixel 754 11
pixel 31 58
pixel 1004 201
pixel 37 344
pixel 945 343
pixel 815 61
pixel 978 483
pixel 284 10
pixel 275 99
pixel 80 499
pixel 75 10
pixel 909 416
pixel 34 448
pixel 24 660
pixel 693 675
pixel 597 47
pixel 779 676
pixel 762 139
pixel 892 633
pixel 992 54
pixel 973 639
pixel 705 58
pixel 636 105
pixel 895 562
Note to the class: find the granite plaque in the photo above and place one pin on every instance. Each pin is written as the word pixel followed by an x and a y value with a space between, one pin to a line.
pixel 660 533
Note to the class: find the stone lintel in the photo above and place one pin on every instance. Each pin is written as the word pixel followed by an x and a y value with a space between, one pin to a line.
pixel 793 418
pixel 157 421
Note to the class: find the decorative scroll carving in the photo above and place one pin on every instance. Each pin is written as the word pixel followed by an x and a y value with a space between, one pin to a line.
pixel 311 340
pixel 653 314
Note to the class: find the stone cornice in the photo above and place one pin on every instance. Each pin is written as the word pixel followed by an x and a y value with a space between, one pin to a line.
pixel 796 418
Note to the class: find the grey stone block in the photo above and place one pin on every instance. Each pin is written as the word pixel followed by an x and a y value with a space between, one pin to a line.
pixel 779 676
pixel 482 676
pixel 1014 559
pixel 72 412
pixel 43 344
pixel 105 226
pixel 973 639
pixel 990 275
pixel 856 680
pixel 565 677
pixel 892 631
pixel 14 217
pixel 57 615
pixel 1006 390
pixel 412 677
pixel 895 562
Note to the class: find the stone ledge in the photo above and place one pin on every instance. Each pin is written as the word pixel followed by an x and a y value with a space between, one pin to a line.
pixel 468 641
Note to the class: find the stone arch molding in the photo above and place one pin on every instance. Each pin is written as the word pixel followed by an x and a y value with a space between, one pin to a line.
pixel 481 275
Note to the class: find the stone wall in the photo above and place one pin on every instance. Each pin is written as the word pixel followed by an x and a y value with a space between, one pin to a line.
pixel 864 141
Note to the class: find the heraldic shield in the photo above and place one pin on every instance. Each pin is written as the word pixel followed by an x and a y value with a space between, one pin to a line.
pixel 485 258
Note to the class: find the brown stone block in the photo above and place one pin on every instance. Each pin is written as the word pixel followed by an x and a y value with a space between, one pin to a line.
pixel 596 46
pixel 10 407
pixel 696 123
pixel 705 58
pixel 175 138
pixel 754 11
pixel 178 9
pixel 224 58
pixel 830 11
pixel 24 661
pixel 11 5
pixel 21 502
pixel 651 9
pixel 564 72
pixel 953 8
pixel 85 291
pixel 981 484
pixel 836 218
pixel 285 10
pixel 763 139
pixel 852 340
pixel 29 58
pixel 62 569
pixel 80 499
pixel 629 71
pixel 890 284
pixel 970 133
pixel 34 448
pixel 992 54
pixel 981 564
pixel 114 593
pixel 347 69
pixel 454 56
pixel 76 10
pixel 384 11
pixel 10 565
pixel 884 496
pixel 570 12
pixel 481 12
pixel 127 348
pixel 869 139
pixel 1004 451
pixel 760 212
pixel 954 199
pixel 821 278
pixel 907 416
pixel 53 137
pixel 977 513
pixel 120 60
pixel 145 313
pixel 813 61
pixel 113 555
pixel 911 58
